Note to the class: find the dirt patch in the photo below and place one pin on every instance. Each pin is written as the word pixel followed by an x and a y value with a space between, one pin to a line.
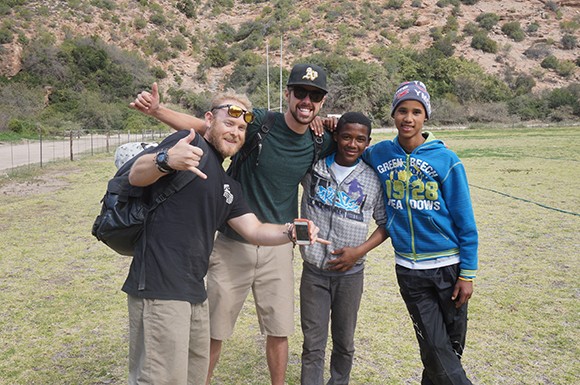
pixel 46 182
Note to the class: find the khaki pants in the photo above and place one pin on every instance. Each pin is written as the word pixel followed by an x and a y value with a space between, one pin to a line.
pixel 168 342
pixel 235 268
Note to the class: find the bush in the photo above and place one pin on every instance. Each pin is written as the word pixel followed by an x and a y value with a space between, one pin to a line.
pixel 139 23
pixel 158 18
pixel 550 62
pixel 533 27
pixel 565 68
pixel 481 41
pixel 527 107
pixel 569 41
pixel 6 35
pixel 394 4
pixel 20 126
pixel 187 7
pixel 178 42
pixel 524 84
pixel 217 55
pixel 487 20
pixel 538 51
pixel 513 30
pixel 470 28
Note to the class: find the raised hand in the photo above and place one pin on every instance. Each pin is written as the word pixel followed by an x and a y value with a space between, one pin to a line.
pixel 184 156
pixel 147 102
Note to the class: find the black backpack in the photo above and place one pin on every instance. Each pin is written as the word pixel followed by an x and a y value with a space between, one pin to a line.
pixel 256 144
pixel 121 223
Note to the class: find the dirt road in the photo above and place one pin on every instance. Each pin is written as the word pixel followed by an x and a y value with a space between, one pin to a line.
pixel 36 152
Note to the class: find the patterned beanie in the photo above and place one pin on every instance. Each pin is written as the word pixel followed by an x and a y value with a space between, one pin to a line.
pixel 414 90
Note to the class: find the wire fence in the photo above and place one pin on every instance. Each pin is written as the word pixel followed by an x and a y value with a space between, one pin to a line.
pixel 69 145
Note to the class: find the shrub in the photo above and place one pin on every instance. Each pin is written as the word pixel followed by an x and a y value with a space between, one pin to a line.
pixel 187 7
pixel 406 23
pixel 487 20
pixel 178 42
pixel 158 18
pixel 226 33
pixel 470 28
pixel 481 41
pixel 321 45
pixel 513 30
pixel 21 126
pixel 469 2
pixel 550 62
pixel 524 84
pixel 394 4
pixel 6 35
pixel 217 55
pixel 565 68
pixel 538 51
pixel 533 27
pixel 552 5
pixel 139 23
pixel 527 107
pixel 569 41
pixel 159 73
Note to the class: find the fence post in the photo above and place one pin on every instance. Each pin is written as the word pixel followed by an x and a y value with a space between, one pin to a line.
pixel 71 145
pixel 40 142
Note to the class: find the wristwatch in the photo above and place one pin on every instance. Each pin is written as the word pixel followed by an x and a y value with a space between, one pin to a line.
pixel 162 161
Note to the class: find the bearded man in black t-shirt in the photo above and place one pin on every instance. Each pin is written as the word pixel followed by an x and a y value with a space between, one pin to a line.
pixel 168 312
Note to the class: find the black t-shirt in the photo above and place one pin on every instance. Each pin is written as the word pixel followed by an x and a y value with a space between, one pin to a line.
pixel 180 232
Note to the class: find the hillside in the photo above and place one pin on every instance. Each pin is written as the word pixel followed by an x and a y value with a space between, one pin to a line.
pixel 348 27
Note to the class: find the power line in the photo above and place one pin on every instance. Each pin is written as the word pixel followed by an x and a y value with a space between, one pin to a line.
pixel 525 200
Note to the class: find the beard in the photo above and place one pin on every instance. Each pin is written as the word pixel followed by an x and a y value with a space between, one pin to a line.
pixel 218 141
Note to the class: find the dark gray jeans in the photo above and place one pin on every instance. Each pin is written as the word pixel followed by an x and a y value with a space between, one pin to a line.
pixel 440 327
pixel 322 298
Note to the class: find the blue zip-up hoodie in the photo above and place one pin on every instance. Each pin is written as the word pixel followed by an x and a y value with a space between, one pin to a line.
pixel 430 217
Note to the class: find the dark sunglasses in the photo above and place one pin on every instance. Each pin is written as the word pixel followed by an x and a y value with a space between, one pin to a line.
pixel 237 111
pixel 315 96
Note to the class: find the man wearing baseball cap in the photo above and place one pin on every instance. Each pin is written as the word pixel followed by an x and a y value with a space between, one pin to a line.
pixel 269 177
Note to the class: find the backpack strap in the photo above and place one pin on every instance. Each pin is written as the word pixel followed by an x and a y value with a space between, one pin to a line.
pixel 318 142
pixel 252 145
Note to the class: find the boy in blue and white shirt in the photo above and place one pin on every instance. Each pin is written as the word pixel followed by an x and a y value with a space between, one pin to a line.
pixel 342 195
pixel 433 232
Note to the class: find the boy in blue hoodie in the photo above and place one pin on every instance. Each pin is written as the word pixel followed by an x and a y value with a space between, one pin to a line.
pixel 433 232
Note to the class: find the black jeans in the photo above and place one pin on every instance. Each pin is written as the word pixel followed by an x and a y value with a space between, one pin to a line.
pixel 440 327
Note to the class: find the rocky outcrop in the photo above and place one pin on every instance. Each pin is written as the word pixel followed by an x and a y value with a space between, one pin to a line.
pixel 10 59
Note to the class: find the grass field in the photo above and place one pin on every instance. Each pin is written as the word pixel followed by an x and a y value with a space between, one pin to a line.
pixel 63 317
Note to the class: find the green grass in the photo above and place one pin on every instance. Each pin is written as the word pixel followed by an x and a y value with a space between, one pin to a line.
pixel 63 317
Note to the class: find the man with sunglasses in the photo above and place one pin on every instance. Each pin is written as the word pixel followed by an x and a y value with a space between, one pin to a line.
pixel 269 177
pixel 169 333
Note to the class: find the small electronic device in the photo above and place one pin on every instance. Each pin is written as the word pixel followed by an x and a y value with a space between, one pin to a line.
pixel 302 228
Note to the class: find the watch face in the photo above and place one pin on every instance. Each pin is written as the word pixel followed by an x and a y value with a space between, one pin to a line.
pixel 161 160
pixel 162 157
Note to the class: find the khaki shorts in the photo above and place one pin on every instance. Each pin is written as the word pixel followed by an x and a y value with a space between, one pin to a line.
pixel 234 269
pixel 160 351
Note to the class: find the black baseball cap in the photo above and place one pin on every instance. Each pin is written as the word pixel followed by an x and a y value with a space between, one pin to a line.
pixel 308 75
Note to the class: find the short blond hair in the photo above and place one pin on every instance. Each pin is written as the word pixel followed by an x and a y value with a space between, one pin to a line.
pixel 231 95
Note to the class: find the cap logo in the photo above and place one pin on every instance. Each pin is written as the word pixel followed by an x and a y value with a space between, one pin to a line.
pixel 310 74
